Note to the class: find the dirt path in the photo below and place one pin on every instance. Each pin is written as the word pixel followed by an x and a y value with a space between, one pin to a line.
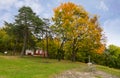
pixel 77 74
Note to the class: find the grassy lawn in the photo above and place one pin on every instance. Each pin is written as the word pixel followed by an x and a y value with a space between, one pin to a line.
pixel 32 67
pixel 35 67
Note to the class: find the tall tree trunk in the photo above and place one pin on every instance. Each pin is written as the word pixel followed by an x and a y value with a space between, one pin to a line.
pixel 47 43
pixel 25 38
pixel 73 50
pixel 73 54
pixel 60 51
pixel 24 45
pixel 15 47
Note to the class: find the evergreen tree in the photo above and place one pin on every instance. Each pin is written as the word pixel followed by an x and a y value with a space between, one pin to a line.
pixel 27 24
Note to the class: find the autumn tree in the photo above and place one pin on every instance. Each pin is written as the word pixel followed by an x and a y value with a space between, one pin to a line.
pixel 77 29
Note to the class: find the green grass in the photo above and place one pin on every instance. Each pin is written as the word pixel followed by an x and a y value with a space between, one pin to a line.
pixel 36 67
pixel 32 67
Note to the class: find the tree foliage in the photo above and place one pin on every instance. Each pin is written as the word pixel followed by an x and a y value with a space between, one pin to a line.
pixel 77 29
pixel 26 25
pixel 113 56
pixel 4 40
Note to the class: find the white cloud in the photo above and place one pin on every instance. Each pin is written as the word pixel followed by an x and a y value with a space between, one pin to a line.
pixel 6 4
pixel 8 7
pixel 34 4
pixel 103 6
pixel 112 30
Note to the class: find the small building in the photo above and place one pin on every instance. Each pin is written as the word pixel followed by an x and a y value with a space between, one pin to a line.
pixel 40 52
pixel 37 52
pixel 29 52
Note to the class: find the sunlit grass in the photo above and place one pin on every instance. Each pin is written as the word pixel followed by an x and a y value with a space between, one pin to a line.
pixel 32 67
pixel 36 67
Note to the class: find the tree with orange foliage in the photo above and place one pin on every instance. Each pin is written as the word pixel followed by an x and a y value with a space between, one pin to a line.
pixel 77 29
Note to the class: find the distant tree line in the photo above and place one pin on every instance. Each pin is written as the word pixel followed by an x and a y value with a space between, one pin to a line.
pixel 72 34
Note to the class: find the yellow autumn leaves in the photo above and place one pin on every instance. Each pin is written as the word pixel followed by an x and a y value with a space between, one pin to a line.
pixel 78 27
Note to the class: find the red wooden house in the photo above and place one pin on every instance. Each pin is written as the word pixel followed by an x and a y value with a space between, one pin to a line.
pixel 37 52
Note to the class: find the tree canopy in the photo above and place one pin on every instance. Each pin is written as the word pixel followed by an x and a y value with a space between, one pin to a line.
pixel 79 30
pixel 26 25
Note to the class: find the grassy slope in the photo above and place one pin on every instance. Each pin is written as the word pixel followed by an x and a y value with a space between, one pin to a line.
pixel 35 67
pixel 111 71
pixel 27 67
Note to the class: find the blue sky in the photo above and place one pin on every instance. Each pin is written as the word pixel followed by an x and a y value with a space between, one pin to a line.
pixel 107 10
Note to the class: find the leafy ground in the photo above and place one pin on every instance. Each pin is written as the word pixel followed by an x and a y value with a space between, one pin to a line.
pixel 36 67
